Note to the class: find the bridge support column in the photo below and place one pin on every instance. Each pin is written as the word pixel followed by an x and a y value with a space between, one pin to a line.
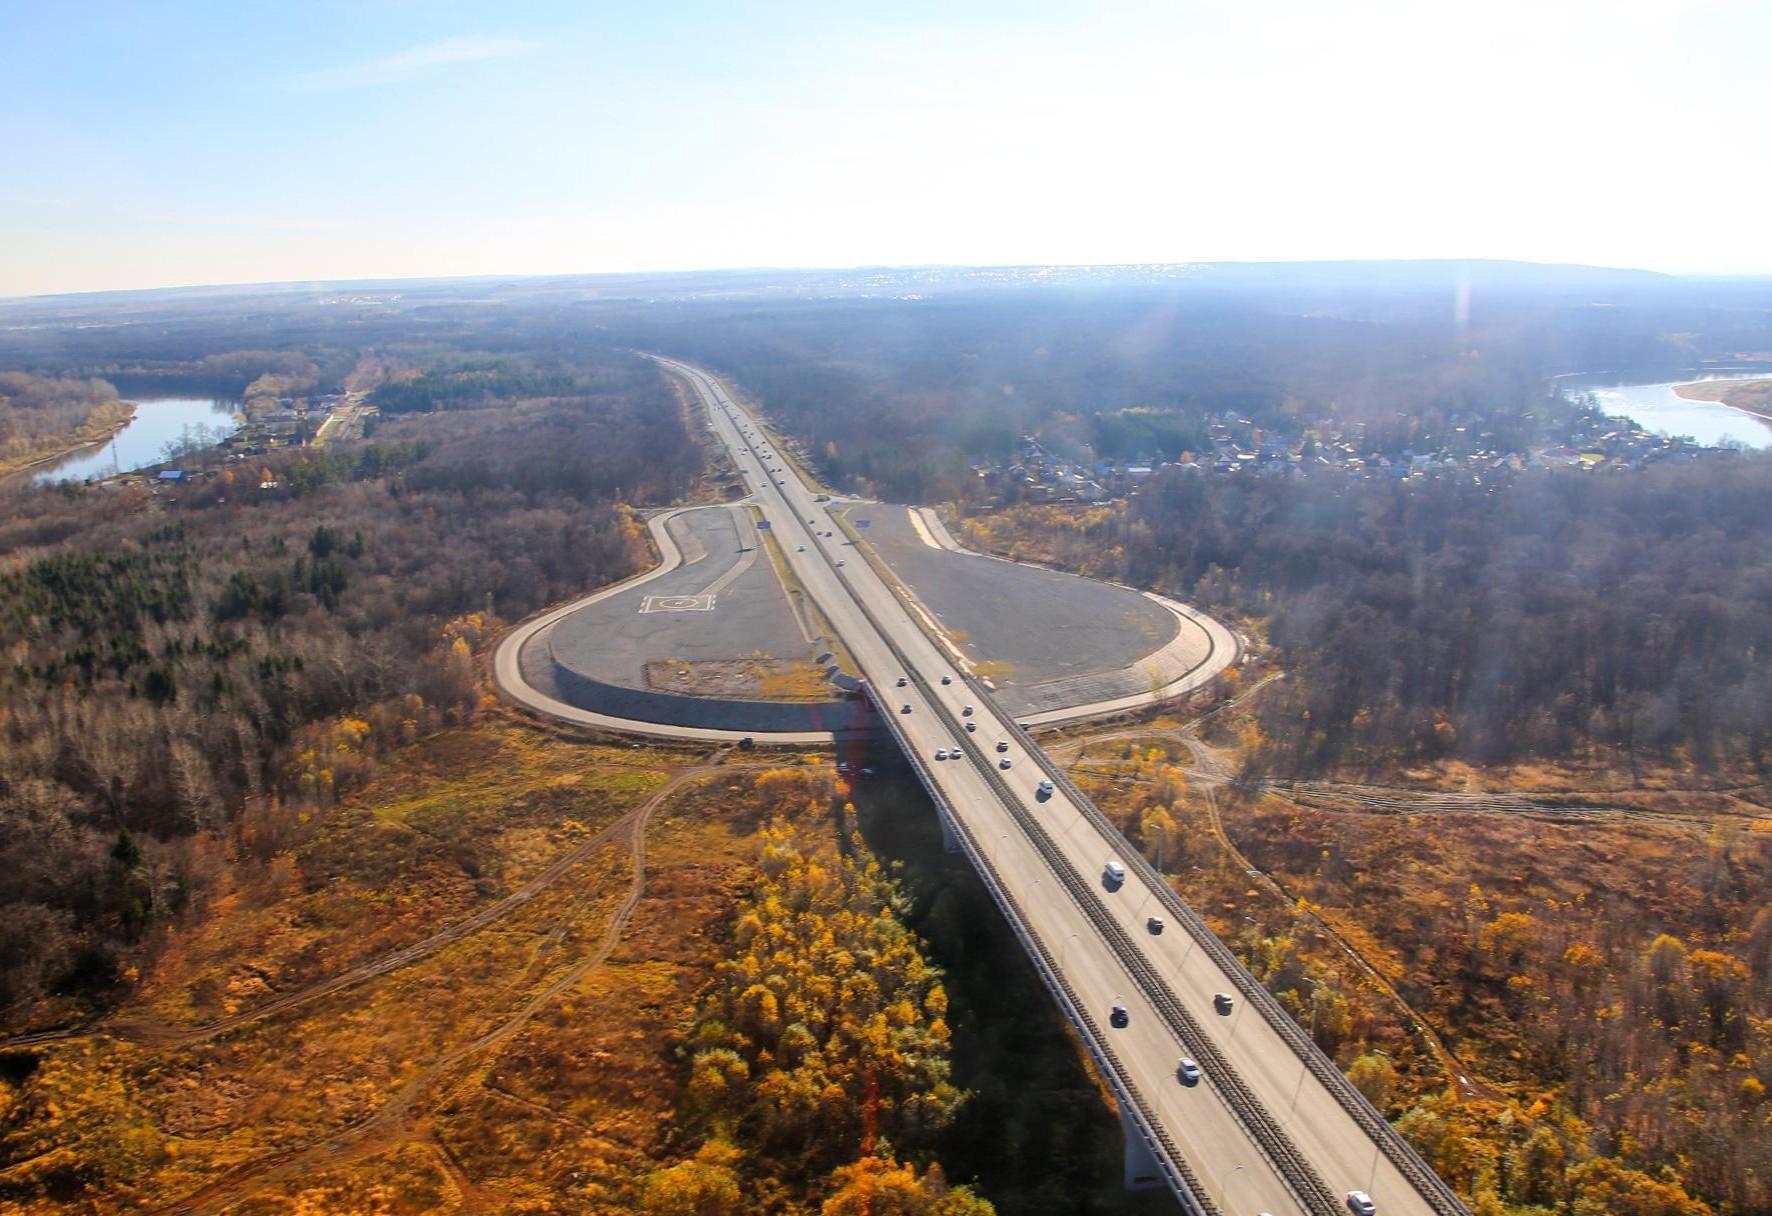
pixel 949 841
pixel 1142 1171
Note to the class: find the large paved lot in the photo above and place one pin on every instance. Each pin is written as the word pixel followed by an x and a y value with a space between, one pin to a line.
pixel 724 603
pixel 1050 639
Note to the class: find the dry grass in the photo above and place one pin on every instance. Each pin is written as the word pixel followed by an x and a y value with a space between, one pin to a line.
pixel 1753 396
pixel 513 1068
pixel 759 677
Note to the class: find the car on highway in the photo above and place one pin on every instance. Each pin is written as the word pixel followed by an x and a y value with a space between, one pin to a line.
pixel 967 712
pixel 972 728
pixel 1187 1072
pixel 902 681
pixel 1116 872
pixel 799 548
pixel 1118 1017
pixel 904 709
pixel 1045 790
pixel 1360 1204
pixel 941 753
pixel 1002 745
pixel 841 561
pixel 1155 925
pixel 944 679
pixel 1223 1002
pixel 1005 762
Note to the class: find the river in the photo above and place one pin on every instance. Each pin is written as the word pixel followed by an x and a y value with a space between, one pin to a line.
pixel 158 421
pixel 1656 407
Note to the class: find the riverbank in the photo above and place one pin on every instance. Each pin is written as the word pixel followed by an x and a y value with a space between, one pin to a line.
pixel 90 435
pixel 1749 396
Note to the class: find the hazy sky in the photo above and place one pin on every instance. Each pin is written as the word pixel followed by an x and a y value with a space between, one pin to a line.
pixel 175 143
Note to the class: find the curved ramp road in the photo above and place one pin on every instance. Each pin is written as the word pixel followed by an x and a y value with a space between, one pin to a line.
pixel 507 664
pixel 1271 1127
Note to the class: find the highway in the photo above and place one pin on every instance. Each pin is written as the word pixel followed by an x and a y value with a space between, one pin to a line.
pixel 1270 1127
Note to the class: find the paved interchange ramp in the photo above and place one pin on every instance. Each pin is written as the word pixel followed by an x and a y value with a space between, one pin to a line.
pixel 723 605
pixel 711 639
pixel 1046 640
pixel 1272 1125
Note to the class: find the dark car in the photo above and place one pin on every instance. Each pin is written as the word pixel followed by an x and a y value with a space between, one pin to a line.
pixel 1154 924
pixel 1223 1002
pixel 1118 1017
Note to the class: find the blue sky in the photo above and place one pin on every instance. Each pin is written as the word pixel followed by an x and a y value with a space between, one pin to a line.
pixel 168 143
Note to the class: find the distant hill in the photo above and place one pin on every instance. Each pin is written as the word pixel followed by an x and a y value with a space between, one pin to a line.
pixel 1428 275
pixel 1360 277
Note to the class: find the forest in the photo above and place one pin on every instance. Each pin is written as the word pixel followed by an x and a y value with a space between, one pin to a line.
pixel 1535 615
pixel 236 680
pixel 194 673
pixel 42 417
pixel 895 396
pixel 819 1059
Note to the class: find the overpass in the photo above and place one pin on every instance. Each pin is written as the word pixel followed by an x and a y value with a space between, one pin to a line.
pixel 1271 1126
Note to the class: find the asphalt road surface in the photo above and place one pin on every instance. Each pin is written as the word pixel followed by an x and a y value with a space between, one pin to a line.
pixel 1274 1135
pixel 724 602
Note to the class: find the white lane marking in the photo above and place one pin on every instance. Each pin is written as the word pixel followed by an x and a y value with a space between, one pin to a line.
pixel 922 528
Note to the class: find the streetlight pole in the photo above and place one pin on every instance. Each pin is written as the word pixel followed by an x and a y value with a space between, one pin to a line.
pixel 1302 1066
pixel 1224 1186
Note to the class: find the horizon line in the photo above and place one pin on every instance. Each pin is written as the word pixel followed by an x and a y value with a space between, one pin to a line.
pixel 516 276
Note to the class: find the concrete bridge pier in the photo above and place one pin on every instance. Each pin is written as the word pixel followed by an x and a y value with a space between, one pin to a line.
pixel 1142 1171
pixel 950 842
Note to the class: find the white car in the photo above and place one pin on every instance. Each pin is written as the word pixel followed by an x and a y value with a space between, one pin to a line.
pixel 840 561
pixel 1187 1072
pixel 1116 872
pixel 1360 1204
pixel 941 753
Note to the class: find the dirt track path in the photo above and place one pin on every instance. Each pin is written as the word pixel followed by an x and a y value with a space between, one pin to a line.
pixel 161 1034
pixel 396 1120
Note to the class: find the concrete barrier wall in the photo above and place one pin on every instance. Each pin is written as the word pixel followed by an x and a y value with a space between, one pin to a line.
pixel 717 714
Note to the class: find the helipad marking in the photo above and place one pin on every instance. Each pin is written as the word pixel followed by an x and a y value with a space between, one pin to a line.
pixel 677 603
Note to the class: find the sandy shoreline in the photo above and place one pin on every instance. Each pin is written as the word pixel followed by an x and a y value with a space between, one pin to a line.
pixel 1749 396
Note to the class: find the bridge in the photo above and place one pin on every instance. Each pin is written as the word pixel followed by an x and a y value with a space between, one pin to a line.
pixel 1270 1125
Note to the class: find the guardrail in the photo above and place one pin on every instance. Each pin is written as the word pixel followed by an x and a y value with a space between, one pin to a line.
pixel 1178 1174
pixel 1401 1154
pixel 1298 1172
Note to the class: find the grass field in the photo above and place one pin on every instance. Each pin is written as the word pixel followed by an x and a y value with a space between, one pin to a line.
pixel 453 995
